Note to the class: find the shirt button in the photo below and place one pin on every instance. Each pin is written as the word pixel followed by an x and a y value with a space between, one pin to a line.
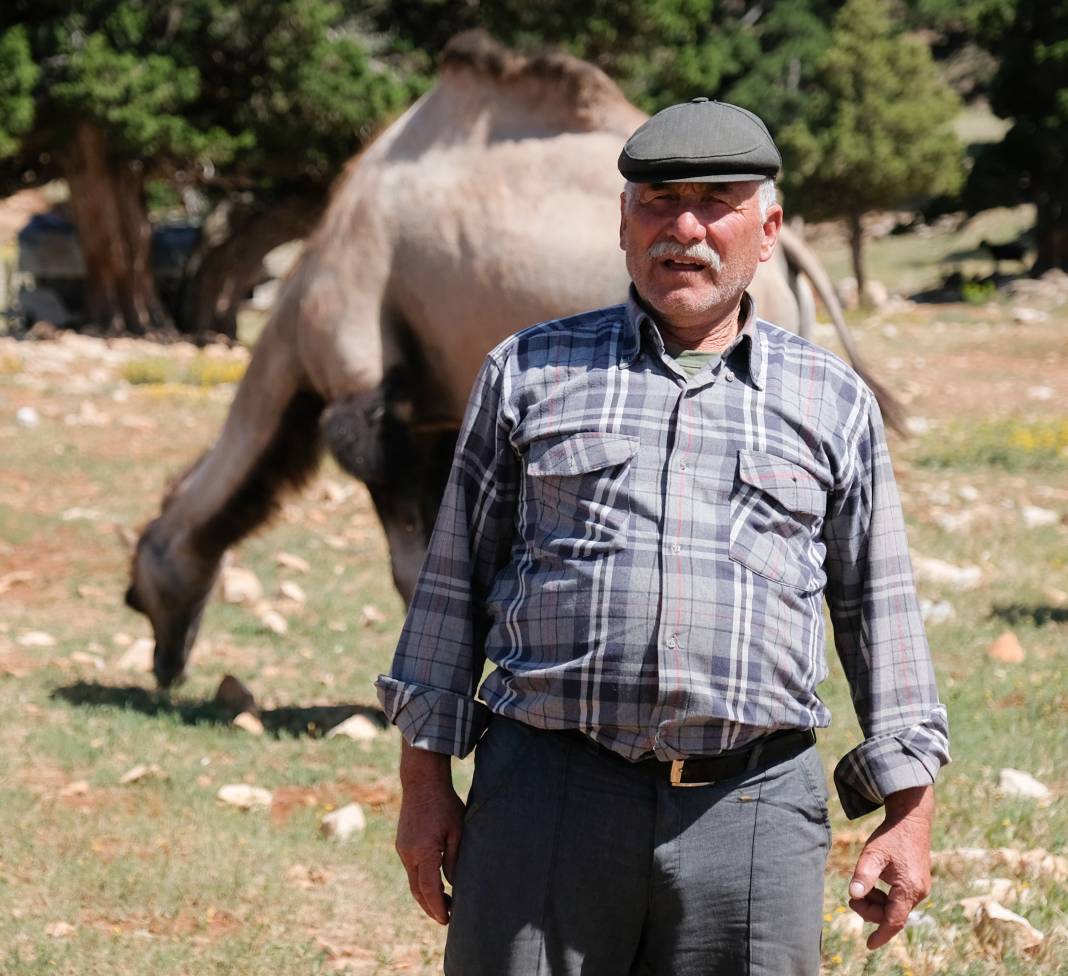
pixel 682 465
pixel 675 547
pixel 730 377
pixel 672 642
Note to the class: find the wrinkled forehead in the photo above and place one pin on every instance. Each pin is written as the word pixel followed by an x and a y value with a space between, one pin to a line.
pixel 734 190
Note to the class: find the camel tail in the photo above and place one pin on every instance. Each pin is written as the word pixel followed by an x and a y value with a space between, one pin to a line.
pixel 800 258
pixel 286 463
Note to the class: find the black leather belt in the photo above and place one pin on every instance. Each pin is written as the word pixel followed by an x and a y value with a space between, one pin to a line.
pixel 775 747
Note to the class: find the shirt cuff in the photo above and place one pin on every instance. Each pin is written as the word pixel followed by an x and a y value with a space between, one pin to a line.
pixel 890 762
pixel 430 718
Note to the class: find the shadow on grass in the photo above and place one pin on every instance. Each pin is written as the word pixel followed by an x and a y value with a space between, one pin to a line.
pixel 312 720
pixel 1028 613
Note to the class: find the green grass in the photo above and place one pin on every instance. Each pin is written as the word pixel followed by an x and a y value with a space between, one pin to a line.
pixel 203 371
pixel 1012 444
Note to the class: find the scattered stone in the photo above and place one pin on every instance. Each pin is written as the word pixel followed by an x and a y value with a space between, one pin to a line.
pixel 140 772
pixel 370 615
pixel 968 493
pixel 1000 889
pixel 59 930
pixel 917 425
pixel 1038 863
pixel 138 656
pixel 996 926
pixel 941 573
pixel 1036 518
pixel 81 515
pixel 250 723
pixel 849 924
pixel 244 796
pixel 79 787
pixel 1007 649
pixel 289 561
pixel 240 585
pixel 292 591
pixel 921 920
pixel 92 660
pixel 937 613
pixel 273 621
pixel 1015 782
pixel 1040 392
pixel 35 638
pixel 233 696
pixel 358 727
pixel 344 822
pixel 14 578
pixel 121 639
pixel 27 417
pixel 1028 316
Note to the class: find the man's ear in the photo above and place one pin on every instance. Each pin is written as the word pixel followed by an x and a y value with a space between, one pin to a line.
pixel 772 226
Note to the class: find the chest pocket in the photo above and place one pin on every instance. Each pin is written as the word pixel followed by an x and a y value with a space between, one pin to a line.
pixel 776 513
pixel 578 489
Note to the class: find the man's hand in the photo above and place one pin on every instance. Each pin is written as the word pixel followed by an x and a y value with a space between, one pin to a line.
pixel 899 853
pixel 429 828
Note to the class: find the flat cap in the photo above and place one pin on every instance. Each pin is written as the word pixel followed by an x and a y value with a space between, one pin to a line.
pixel 700 141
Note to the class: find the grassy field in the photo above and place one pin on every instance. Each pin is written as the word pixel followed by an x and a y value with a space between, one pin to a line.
pixel 156 875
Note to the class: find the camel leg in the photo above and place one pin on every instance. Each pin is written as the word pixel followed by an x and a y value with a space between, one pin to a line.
pixel 269 442
pixel 373 437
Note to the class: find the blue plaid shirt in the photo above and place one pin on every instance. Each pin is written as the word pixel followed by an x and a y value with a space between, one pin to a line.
pixel 644 556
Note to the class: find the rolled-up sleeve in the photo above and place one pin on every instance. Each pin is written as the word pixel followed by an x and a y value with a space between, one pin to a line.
pixel 878 630
pixel 430 690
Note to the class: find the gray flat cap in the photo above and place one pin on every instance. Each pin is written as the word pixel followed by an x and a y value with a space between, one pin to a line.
pixel 700 142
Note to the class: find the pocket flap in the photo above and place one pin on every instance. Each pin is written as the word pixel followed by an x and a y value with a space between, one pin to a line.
pixel 579 453
pixel 788 483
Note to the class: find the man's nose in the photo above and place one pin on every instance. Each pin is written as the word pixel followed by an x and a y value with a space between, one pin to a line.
pixel 687 227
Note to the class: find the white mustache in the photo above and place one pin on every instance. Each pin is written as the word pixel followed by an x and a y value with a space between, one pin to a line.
pixel 701 252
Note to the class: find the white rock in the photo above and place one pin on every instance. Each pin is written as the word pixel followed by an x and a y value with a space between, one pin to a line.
pixel 79 787
pixel 244 796
pixel 1035 517
pixel 1015 782
pixel 969 493
pixel 917 425
pixel 848 924
pixel 59 930
pixel 292 592
pixel 240 585
pixel 1029 316
pixel 941 573
pixel 138 656
pixel 35 638
pixel 92 660
pixel 1040 392
pixel 371 615
pixel 358 727
pixel 937 613
pixel 289 561
pixel 273 621
pixel 140 772
pixel 249 723
pixel 994 923
pixel 27 417
pixel 344 822
pixel 920 920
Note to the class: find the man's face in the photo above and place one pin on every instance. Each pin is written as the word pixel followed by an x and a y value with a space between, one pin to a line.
pixel 693 248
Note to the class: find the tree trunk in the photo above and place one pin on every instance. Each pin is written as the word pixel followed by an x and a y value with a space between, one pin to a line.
pixel 107 205
pixel 226 271
pixel 1051 236
pixel 856 246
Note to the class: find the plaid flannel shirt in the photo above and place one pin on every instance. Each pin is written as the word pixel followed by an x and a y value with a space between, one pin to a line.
pixel 644 556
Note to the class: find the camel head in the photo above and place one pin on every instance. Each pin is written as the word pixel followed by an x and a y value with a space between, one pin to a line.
pixel 170 587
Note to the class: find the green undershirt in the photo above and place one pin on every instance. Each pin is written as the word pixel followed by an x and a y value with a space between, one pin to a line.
pixel 691 361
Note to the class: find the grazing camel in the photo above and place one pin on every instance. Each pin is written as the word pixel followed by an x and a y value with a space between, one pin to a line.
pixel 491 204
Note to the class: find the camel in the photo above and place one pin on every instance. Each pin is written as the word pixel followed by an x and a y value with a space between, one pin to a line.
pixel 490 205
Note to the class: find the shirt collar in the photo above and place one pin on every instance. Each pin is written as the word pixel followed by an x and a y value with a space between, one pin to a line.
pixel 747 347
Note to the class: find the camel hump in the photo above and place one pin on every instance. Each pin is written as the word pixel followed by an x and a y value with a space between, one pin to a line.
pixel 577 95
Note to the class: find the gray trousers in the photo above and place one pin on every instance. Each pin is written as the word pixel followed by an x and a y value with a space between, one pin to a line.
pixel 575 864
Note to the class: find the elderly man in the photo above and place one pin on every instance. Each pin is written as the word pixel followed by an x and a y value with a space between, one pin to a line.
pixel 648 504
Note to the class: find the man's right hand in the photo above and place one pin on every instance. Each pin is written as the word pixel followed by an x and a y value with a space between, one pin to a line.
pixel 429 828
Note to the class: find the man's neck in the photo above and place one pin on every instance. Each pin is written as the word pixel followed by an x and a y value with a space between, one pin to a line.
pixel 704 336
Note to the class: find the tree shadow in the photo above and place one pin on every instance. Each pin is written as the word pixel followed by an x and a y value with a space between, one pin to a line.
pixel 313 721
pixel 1030 613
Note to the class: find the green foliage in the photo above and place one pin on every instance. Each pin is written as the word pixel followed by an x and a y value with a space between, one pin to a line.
pixel 1012 444
pixel 18 75
pixel 978 292
pixel 874 126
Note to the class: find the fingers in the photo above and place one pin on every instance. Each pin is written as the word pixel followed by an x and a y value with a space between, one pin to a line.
pixel 869 867
pixel 872 907
pixel 895 914
pixel 432 891
pixel 452 855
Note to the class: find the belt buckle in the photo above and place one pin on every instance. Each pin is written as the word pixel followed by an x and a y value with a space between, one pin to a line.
pixel 676 774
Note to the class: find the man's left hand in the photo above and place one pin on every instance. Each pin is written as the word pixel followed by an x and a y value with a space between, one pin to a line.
pixel 899 853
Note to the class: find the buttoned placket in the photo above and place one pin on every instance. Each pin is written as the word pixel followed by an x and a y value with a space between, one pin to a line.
pixel 676 589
